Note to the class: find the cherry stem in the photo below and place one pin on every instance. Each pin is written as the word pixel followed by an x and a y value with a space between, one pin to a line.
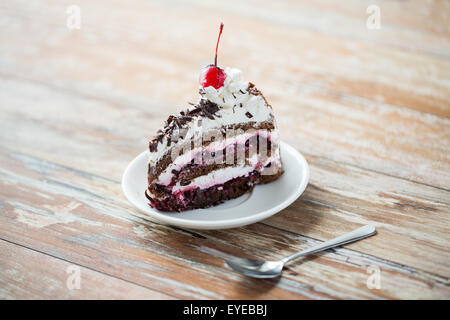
pixel 217 45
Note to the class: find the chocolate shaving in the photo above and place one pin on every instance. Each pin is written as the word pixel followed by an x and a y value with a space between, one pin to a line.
pixel 153 144
pixel 184 182
pixel 204 108
pixel 249 115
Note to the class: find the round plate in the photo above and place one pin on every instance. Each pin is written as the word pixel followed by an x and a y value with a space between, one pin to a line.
pixel 264 201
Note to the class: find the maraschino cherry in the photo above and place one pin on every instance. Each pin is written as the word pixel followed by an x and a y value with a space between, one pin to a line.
pixel 212 75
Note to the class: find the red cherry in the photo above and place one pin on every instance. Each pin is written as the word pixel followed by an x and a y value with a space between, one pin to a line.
pixel 212 75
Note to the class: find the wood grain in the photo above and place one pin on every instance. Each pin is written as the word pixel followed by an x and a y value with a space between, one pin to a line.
pixel 29 274
pixel 368 108
pixel 179 262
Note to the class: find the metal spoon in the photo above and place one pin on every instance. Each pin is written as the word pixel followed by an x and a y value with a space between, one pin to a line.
pixel 272 269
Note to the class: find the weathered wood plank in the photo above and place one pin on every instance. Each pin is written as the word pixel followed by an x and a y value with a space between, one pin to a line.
pixel 73 216
pixel 293 50
pixel 412 26
pixel 370 108
pixel 28 274
pixel 412 216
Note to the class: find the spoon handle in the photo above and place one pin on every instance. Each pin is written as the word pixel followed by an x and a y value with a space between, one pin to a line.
pixel 352 236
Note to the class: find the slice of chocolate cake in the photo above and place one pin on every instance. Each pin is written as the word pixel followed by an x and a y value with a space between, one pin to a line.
pixel 216 150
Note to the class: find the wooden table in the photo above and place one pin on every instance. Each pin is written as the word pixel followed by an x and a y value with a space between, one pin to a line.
pixel 369 109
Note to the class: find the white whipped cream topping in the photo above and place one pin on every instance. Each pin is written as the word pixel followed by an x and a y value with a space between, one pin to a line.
pixel 230 93
pixel 229 98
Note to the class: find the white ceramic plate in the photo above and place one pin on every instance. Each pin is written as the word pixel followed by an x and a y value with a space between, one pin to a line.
pixel 263 202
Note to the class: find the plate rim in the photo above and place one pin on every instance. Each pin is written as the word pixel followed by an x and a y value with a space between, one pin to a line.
pixel 222 224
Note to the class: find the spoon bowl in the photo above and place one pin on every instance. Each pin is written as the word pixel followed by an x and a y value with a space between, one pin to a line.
pixel 256 268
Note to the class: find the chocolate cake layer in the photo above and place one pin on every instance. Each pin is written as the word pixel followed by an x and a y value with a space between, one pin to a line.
pixel 203 198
